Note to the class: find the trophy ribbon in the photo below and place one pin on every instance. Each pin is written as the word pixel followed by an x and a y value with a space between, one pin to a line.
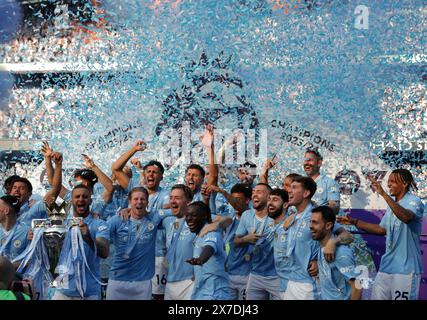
pixel 75 260
pixel 35 264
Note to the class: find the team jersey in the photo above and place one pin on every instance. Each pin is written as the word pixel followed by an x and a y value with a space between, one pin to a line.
pixel 98 228
pixel 327 190
pixel 403 255
pixel 36 211
pixel 211 280
pixel 334 276
pixel 261 254
pixel 14 241
pixel 179 244
pixel 134 242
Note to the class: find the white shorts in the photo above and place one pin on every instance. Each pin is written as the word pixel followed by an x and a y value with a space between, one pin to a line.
pixel 396 286
pixel 298 291
pixel 262 288
pixel 129 290
pixel 60 296
pixel 179 290
pixel 238 286
pixel 158 282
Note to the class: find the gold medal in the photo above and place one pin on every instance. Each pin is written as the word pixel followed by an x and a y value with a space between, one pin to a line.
pixel 227 248
pixel 176 225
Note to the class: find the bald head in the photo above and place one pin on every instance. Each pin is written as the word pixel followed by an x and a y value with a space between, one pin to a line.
pixel 7 273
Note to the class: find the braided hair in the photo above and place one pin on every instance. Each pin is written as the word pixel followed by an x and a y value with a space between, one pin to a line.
pixel 404 175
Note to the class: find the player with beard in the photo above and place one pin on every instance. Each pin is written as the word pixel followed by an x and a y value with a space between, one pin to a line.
pixel 299 250
pixel 95 237
pixel 277 210
pixel 89 177
pixel 327 191
pixel 22 189
pixel 256 230
pixel 338 278
pixel 195 174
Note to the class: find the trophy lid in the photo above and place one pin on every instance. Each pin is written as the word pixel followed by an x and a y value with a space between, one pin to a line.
pixel 56 211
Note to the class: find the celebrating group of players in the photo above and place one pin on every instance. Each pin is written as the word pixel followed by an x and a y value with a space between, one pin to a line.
pixel 199 241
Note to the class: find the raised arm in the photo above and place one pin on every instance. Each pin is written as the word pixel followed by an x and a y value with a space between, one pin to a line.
pixel 401 213
pixel 47 152
pixel 102 178
pixel 138 166
pixel 231 200
pixel 208 142
pixel 263 176
pixel 53 193
pixel 220 222
pixel 117 167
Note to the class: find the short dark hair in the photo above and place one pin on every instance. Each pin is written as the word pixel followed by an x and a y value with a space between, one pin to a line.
pixel 314 151
pixel 327 213
pixel 8 183
pixel 187 191
pixel 24 180
pixel 88 175
pixel 293 176
pixel 242 188
pixel 308 184
pixel 281 193
pixel 196 167
pixel 264 184
pixel 202 207
pixel 156 164
pixel 12 202
pixel 81 186
pixel 137 189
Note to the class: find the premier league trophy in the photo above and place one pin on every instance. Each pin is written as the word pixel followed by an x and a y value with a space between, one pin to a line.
pixel 55 228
